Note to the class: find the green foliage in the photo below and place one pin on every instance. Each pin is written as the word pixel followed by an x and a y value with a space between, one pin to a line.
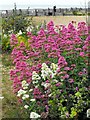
pixel 74 12
pixel 6 43
pixel 22 39
pixel 89 13
pixel 0 39
pixel 10 108
pixel 13 24
pixel 35 28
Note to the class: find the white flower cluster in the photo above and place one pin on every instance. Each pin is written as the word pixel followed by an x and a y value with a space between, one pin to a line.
pixel 88 113
pixel 23 92
pixel 26 106
pixel 29 29
pixel 54 80
pixel 34 115
pixel 45 84
pixel 30 90
pixel 54 67
pixel 1 97
pixel 32 100
pixel 5 36
pixel 25 85
pixel 25 96
pixel 47 72
pixel 19 33
pixel 35 77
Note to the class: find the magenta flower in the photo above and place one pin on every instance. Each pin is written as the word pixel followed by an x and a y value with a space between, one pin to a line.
pixel 71 80
pixel 82 54
pixel 13 40
pixel 58 84
pixel 80 73
pixel 29 34
pixel 66 46
pixel 67 68
pixel 66 76
pixel 77 88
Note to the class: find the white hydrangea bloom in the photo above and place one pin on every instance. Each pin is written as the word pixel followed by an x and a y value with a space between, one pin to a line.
pixel 34 115
pixel 26 106
pixel 25 96
pixel 21 92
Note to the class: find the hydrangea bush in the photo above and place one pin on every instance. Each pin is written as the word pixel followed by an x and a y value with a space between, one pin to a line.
pixel 50 77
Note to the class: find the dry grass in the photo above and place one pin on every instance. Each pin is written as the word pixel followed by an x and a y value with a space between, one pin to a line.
pixel 59 19
pixel 10 105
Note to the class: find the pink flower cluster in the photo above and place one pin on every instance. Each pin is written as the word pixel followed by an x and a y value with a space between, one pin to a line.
pixel 61 44
pixel 13 40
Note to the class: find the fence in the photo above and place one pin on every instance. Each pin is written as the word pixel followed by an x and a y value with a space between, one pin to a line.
pixel 43 12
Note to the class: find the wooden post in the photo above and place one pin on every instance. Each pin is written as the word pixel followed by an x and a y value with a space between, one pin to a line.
pixel 54 10
pixel 36 12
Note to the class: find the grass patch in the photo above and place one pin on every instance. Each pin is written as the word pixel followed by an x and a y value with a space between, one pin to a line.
pixel 10 105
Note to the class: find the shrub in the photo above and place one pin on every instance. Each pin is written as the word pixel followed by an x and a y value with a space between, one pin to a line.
pixel 6 43
pixel 22 37
pixel 13 24
pixel 19 25
pixel 51 74
pixel 74 12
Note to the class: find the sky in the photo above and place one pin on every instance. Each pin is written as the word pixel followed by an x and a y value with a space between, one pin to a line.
pixel 7 3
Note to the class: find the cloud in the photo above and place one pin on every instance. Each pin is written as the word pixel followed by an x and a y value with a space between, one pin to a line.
pixel 9 4
pixel 41 2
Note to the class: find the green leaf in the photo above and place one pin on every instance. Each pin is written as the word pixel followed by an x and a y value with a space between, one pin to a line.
pixel 78 94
